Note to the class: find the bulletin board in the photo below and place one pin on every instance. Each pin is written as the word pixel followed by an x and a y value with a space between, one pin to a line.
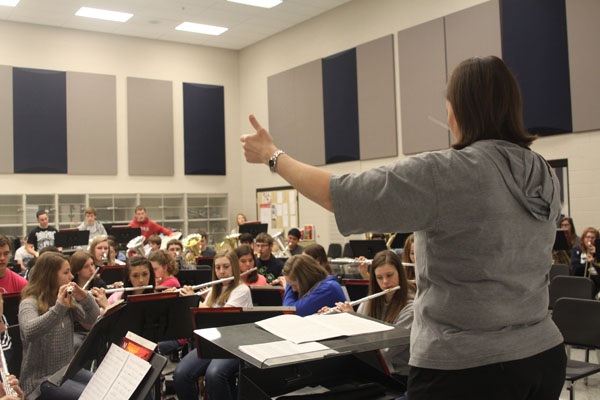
pixel 278 207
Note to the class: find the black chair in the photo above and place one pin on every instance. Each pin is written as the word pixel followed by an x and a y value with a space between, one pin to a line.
pixel 559 270
pixel 347 251
pixel 576 287
pixel 334 250
pixel 579 322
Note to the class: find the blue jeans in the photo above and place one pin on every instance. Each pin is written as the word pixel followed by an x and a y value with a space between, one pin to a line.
pixel 71 389
pixel 218 373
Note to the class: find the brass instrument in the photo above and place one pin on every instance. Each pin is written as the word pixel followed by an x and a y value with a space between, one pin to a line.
pixel 191 244
pixel 230 242
pixel 284 251
pixel 165 241
pixel 137 244
pixel 9 390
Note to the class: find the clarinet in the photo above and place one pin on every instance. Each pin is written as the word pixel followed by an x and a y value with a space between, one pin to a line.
pixel 10 391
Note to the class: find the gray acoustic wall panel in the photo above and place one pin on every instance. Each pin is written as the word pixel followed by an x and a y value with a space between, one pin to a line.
pixel 91 124
pixel 473 32
pixel 422 66
pixel 583 32
pixel 6 120
pixel 296 112
pixel 376 99
pixel 150 127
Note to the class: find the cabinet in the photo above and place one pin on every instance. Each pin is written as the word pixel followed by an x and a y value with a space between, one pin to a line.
pixel 208 212
pixel 12 215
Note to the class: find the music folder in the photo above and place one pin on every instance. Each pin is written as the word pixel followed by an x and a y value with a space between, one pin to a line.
pixel 124 234
pixel 367 248
pixel 253 228
pixel 71 238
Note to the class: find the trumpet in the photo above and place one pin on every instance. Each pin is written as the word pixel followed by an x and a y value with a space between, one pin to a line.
pixel 211 283
pixel 284 251
pixel 364 299
pixel 9 390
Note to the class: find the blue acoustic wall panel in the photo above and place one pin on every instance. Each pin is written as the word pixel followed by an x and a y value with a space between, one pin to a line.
pixel 340 106
pixel 204 129
pixel 40 121
pixel 535 47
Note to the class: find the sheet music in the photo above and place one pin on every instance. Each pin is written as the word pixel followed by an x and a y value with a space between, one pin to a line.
pixel 283 348
pixel 117 377
pixel 319 327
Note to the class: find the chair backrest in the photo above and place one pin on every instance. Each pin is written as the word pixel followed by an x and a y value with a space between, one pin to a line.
pixel 334 250
pixel 578 320
pixel 570 286
pixel 559 270
pixel 347 251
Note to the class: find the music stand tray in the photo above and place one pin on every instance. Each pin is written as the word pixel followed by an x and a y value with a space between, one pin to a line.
pixel 253 228
pixel 367 248
pixel 71 238
pixel 124 234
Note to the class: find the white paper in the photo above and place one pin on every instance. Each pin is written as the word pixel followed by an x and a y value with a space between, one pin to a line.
pixel 319 327
pixel 292 202
pixel 117 377
pixel 283 348
pixel 279 210
pixel 280 197
pixel 265 214
pixel 285 209
pixel 293 221
pixel 286 221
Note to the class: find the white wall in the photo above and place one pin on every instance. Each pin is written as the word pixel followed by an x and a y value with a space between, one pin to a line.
pixel 35 46
pixel 350 25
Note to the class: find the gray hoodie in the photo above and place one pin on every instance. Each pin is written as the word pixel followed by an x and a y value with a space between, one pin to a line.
pixel 484 219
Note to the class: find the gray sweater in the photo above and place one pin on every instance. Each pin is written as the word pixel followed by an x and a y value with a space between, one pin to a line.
pixel 95 230
pixel 48 339
pixel 484 219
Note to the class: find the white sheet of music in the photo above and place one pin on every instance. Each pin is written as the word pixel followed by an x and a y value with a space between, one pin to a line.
pixel 117 377
pixel 319 327
pixel 283 348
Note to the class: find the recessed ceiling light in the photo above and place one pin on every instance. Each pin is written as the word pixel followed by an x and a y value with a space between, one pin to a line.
pixel 201 28
pixel 259 3
pixel 103 14
pixel 9 3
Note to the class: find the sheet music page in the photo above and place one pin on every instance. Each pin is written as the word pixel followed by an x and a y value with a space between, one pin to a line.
pixel 265 351
pixel 297 329
pixel 117 377
pixel 349 323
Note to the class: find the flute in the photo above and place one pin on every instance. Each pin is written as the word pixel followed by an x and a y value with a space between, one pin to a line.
pixel 128 289
pixel 91 279
pixel 9 390
pixel 352 261
pixel 355 302
pixel 206 284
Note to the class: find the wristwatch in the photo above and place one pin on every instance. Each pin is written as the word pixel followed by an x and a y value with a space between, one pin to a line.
pixel 273 160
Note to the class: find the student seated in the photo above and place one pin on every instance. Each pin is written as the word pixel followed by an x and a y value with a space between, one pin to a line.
pixel 165 268
pixel 90 224
pixel 100 252
pixel 219 373
pixel 154 242
pixel 408 256
pixel 268 265
pixel 205 250
pixel 46 316
pixel 317 252
pixel 308 286
pixel 247 261
pixel 395 307
pixel 293 239
pixel 246 239
pixel 10 282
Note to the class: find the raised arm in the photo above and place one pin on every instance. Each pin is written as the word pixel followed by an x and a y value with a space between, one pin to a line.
pixel 311 181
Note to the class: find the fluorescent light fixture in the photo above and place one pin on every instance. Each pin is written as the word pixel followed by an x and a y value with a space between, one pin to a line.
pixel 201 28
pixel 9 3
pixel 259 3
pixel 103 14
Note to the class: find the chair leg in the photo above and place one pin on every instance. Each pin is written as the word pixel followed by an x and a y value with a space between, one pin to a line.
pixel 571 390
pixel 587 359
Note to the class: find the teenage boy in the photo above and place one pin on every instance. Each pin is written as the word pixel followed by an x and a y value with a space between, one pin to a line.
pixel 267 264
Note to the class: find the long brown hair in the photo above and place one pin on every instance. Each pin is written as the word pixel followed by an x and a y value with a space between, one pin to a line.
pixel 97 240
pixel 400 297
pixel 78 260
pixel 217 295
pixel 43 280
pixel 244 251
pixel 136 261
pixel 317 252
pixel 410 271
pixel 487 104
pixel 582 243
pixel 165 259
pixel 306 271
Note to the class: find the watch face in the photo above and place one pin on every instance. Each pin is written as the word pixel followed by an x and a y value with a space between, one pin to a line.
pixel 271 164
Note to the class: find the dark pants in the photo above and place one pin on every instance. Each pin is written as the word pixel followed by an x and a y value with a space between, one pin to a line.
pixel 71 389
pixel 219 376
pixel 540 377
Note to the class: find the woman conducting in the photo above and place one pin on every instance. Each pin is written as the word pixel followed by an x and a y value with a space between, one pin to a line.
pixel 481 327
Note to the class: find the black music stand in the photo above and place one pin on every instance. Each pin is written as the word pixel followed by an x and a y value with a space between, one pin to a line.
pixel 560 241
pixel 70 238
pixel 367 248
pixel 113 273
pixel 399 239
pixel 266 295
pixel 124 234
pixel 194 276
pixel 156 317
pixel 11 307
pixel 254 229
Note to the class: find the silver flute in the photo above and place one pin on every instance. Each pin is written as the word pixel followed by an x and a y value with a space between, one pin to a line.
pixel 352 261
pixel 10 391
pixel 207 284
pixel 91 279
pixel 128 289
pixel 356 302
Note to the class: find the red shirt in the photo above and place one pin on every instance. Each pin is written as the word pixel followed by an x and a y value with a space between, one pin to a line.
pixel 149 228
pixel 12 282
